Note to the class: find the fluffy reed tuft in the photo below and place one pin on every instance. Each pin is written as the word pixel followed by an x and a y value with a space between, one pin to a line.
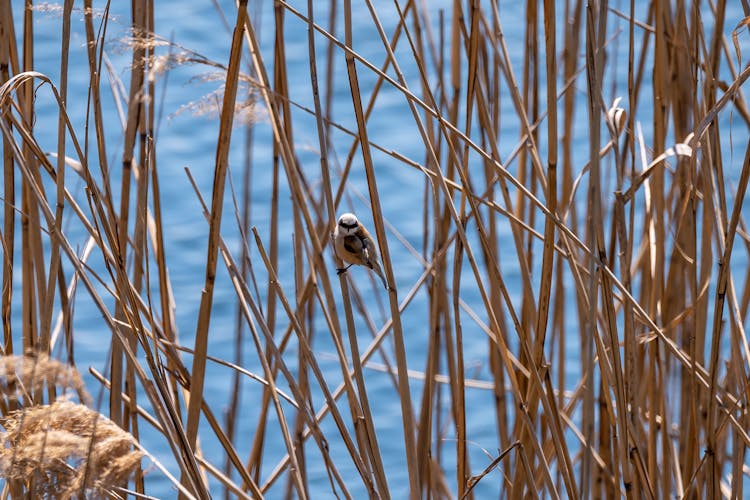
pixel 21 376
pixel 66 449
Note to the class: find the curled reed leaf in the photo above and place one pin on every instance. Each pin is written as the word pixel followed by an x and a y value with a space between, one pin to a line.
pixel 617 117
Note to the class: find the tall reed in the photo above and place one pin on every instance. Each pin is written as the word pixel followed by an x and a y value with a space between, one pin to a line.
pixel 569 218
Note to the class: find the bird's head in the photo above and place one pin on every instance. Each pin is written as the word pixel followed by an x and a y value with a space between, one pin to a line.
pixel 348 224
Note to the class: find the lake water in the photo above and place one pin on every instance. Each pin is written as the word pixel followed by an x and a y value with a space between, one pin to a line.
pixel 187 140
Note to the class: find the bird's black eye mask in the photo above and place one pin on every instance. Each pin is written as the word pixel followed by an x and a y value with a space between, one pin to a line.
pixel 348 226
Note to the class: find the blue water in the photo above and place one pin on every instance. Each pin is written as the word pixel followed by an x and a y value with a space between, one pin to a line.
pixel 186 140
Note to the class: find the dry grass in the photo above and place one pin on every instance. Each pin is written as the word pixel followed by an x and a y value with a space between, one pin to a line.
pixel 66 450
pixel 582 238
pixel 23 378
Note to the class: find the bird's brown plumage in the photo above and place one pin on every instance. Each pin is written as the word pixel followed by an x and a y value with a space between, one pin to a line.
pixel 354 245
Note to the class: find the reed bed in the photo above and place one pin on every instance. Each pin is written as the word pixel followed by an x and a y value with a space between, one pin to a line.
pixel 565 248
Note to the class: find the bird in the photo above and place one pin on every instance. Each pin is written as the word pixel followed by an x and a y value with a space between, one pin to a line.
pixel 354 245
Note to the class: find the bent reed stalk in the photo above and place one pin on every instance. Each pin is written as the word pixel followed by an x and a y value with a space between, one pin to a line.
pixel 564 249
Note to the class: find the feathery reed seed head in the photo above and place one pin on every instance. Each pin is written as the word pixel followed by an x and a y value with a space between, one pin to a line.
pixel 22 375
pixel 65 449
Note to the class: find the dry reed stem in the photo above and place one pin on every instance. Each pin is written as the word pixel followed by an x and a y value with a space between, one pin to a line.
pixel 222 153
pixel 611 250
pixel 152 386
pixel 403 389
pixel 292 174
pixel 248 306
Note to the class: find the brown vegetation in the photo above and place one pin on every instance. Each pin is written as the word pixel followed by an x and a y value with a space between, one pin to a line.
pixel 65 450
pixel 624 252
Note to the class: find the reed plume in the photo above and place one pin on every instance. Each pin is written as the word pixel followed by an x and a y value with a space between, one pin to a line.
pixel 64 450
pixel 23 376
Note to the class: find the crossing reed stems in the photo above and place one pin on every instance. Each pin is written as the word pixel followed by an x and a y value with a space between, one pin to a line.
pixel 556 193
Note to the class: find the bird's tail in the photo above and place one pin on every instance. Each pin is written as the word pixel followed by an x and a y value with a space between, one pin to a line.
pixel 376 267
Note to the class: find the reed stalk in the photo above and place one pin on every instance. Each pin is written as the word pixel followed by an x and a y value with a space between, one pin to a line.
pixel 556 191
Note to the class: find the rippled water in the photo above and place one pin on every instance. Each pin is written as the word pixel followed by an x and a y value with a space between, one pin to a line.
pixel 185 140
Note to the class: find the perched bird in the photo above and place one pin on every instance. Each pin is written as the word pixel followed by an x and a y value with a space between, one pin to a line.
pixel 354 245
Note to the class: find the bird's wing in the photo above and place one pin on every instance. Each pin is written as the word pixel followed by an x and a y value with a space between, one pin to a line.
pixel 353 244
pixel 366 249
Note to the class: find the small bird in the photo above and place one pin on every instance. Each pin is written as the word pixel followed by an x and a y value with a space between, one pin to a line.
pixel 354 245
